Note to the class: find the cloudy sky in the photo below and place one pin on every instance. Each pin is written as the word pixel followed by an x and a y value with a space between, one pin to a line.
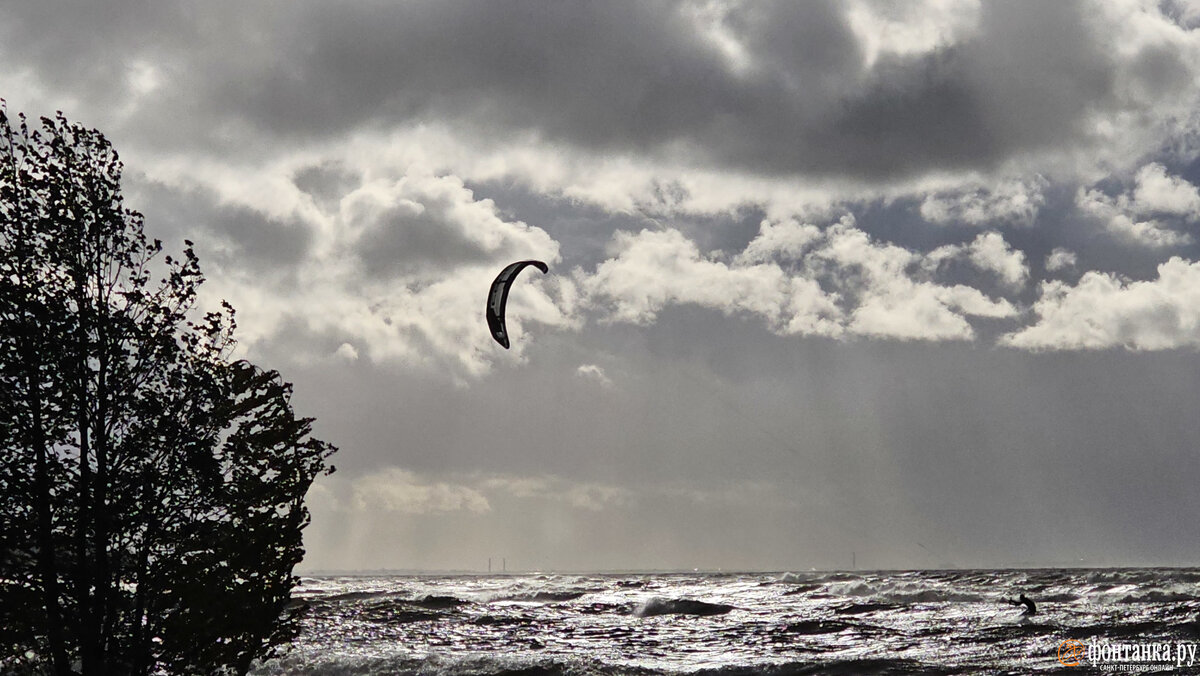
pixel 914 281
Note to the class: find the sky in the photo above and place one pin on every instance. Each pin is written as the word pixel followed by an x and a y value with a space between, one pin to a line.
pixel 911 285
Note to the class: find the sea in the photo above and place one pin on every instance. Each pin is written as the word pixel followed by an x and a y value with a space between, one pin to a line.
pixel 1124 620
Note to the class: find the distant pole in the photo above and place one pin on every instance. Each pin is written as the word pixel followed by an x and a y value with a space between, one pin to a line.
pixel 504 565
pixel 489 564
pixel 853 560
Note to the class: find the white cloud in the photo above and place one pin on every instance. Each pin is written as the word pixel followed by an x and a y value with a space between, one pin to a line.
pixel 988 251
pixel 914 313
pixel 1120 217
pixel 1156 191
pixel 895 305
pixel 593 373
pixel 786 240
pixel 809 310
pixel 597 497
pixel 1104 310
pixel 892 304
pixel 650 270
pixel 1013 201
pixel 874 290
pixel 588 496
pixel 1060 259
pixel 1143 214
pixel 142 77
pixel 890 29
pixel 1150 233
pixel 393 489
pixel 396 490
pixel 398 270
pixel 346 351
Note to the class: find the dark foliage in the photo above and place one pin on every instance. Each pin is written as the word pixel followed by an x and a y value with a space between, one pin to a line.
pixel 151 489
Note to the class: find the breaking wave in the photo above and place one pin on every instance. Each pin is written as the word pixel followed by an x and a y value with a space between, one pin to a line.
pixel 661 606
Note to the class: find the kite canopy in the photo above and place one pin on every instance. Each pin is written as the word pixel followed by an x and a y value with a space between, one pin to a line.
pixel 498 298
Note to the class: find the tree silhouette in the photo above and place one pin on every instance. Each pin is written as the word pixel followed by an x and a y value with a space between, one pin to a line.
pixel 151 489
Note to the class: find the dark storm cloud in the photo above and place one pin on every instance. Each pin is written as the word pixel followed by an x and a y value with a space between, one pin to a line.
pixel 598 74
pixel 327 183
pixel 641 77
pixel 627 77
pixel 232 234
pixel 85 45
pixel 956 107
pixel 399 241
pixel 614 77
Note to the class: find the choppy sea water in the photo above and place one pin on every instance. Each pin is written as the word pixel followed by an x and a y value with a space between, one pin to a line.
pixel 888 622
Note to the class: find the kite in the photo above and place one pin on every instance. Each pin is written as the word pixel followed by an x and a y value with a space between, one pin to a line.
pixel 498 298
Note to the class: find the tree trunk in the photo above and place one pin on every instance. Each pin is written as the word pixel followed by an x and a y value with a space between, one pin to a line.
pixel 45 520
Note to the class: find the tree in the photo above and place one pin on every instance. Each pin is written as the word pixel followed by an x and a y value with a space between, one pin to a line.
pixel 151 487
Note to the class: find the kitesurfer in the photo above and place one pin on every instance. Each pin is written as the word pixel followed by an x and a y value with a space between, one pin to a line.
pixel 1023 600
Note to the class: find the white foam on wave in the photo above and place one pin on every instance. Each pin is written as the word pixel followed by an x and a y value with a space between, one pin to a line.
pixel 432 664
pixel 901 592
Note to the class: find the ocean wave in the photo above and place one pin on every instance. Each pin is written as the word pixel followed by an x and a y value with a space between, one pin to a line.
pixel 801 589
pixel 1021 628
pixel 661 606
pixel 439 602
pixel 601 608
pixel 830 625
pixel 356 596
pixel 808 627
pixel 436 665
pixel 499 621
pixel 847 667
pixel 544 596
pixel 1058 598
pixel 902 593
pixel 550 597
pixel 863 608
pixel 1116 630
pixel 1142 576
pixel 381 608
pixel 392 614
